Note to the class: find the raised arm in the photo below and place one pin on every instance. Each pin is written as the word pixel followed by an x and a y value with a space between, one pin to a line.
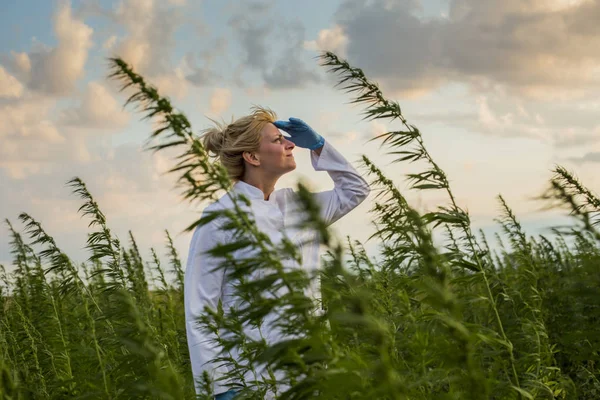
pixel 203 288
pixel 350 189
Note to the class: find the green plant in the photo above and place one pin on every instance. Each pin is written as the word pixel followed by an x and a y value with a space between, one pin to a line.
pixel 458 321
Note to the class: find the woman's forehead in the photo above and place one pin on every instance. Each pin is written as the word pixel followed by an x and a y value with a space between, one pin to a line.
pixel 270 130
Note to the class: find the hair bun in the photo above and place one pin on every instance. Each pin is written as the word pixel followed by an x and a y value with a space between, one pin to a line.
pixel 214 140
pixel 227 142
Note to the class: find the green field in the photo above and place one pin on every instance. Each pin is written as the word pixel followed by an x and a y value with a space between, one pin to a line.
pixel 457 321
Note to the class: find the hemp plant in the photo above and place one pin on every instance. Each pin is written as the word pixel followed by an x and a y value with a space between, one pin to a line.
pixel 460 320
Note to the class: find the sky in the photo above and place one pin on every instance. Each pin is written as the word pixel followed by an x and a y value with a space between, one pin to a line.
pixel 502 91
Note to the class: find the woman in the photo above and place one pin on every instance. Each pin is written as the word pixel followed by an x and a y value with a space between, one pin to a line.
pixel 256 155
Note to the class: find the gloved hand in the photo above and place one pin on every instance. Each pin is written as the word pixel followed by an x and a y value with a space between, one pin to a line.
pixel 302 135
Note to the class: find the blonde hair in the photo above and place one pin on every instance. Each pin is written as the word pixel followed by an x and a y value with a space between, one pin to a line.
pixel 229 142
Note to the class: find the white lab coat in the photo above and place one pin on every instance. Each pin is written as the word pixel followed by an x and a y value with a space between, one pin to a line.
pixel 275 217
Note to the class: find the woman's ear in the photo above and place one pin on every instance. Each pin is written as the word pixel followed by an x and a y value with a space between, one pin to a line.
pixel 251 158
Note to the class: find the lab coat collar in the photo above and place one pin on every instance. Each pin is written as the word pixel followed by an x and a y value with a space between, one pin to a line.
pixel 252 192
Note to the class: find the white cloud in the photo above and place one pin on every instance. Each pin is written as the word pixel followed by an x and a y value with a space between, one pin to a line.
pixel 109 43
pixel 258 30
pixel 129 189
pixel 522 111
pixel 486 116
pixel 345 137
pixel 326 120
pixel 28 119
pixel 258 91
pixel 290 69
pixel 330 39
pixel 171 84
pixel 538 49
pixel 220 100
pixel 377 128
pixel 149 42
pixel 204 74
pixel 98 109
pixel 539 119
pixel 9 85
pixel 33 143
pixel 55 71
pixel 23 157
pixel 22 62
pixel 497 115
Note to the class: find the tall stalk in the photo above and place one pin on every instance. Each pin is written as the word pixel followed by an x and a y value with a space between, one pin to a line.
pixel 378 107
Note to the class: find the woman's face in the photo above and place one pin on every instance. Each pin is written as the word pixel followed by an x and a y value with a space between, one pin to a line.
pixel 276 151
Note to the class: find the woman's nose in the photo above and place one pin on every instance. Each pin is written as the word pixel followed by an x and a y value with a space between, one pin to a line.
pixel 290 144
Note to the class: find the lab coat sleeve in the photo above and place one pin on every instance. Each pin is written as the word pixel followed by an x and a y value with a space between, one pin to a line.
pixel 203 287
pixel 350 189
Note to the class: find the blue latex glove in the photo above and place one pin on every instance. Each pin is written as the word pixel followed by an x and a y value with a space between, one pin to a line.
pixel 230 394
pixel 302 135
